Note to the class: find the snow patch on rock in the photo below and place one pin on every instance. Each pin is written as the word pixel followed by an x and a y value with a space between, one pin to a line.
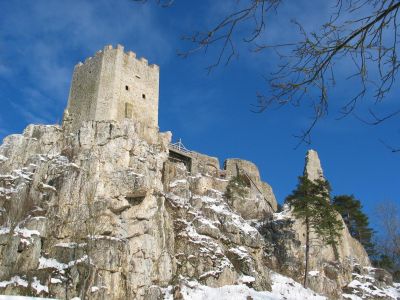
pixel 38 287
pixel 16 280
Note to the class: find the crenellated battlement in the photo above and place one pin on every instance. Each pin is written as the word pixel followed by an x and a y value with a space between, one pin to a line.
pixel 130 54
pixel 114 85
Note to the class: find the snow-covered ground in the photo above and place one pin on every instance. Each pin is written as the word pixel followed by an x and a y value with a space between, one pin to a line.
pixel 282 288
pixel 21 298
pixel 369 289
pixel 286 288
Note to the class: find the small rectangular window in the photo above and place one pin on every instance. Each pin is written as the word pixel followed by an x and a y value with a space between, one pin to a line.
pixel 143 96
pixel 128 110
pixel 127 88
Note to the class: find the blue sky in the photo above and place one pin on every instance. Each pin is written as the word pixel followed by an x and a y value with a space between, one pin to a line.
pixel 41 41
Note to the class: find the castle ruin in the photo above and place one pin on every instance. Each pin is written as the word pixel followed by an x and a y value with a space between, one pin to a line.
pixel 114 86
pixel 106 207
pixel 111 86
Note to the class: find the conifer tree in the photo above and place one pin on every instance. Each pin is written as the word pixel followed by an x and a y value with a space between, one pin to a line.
pixel 329 227
pixel 356 221
pixel 310 202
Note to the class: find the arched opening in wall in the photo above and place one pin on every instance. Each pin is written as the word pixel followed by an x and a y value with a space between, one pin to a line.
pixel 126 88
pixel 128 110
pixel 143 96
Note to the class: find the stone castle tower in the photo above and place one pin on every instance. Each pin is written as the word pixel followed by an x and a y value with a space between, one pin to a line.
pixel 111 86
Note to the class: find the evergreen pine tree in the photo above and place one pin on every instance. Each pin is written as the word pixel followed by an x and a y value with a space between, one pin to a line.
pixel 356 221
pixel 329 227
pixel 310 202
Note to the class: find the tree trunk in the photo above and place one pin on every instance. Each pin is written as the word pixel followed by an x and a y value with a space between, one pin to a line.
pixel 333 244
pixel 307 251
pixel 335 252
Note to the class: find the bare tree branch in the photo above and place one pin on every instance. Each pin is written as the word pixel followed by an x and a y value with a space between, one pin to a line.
pixel 363 33
pixel 225 31
pixel 391 148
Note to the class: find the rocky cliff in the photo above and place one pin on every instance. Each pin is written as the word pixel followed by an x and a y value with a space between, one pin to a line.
pixel 103 213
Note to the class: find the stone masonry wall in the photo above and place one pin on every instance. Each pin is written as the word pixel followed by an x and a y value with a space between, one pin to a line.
pixel 142 81
pixel 112 86
pixel 84 90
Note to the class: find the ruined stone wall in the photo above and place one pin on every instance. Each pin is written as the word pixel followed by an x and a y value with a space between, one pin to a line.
pixel 112 86
pixel 142 82
pixel 84 91
pixel 204 164
pixel 106 104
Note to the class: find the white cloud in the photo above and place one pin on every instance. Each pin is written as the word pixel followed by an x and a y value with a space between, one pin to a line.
pixel 41 41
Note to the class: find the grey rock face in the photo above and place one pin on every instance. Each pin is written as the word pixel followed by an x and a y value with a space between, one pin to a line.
pixel 103 213
pixel 73 215
pixel 351 275
pixel 110 209
pixel 327 275
pixel 313 169
pixel 259 200
pixel 371 283
pixel 214 244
